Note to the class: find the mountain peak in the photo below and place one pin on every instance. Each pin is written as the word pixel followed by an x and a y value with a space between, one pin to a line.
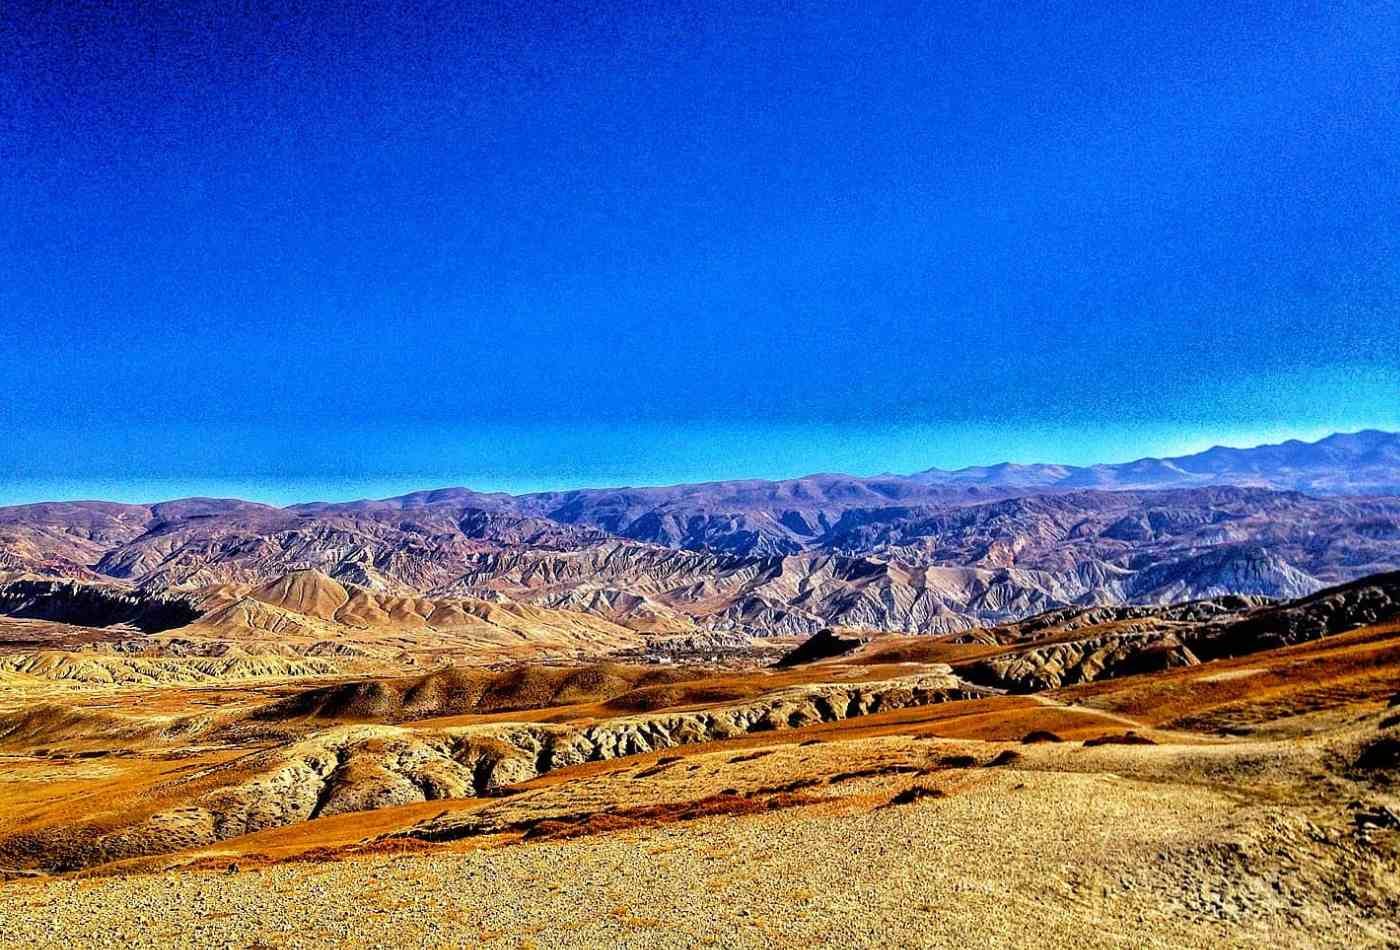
pixel 307 591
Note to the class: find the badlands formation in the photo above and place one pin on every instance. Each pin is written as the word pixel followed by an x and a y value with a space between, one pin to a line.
pixel 1151 705
pixel 286 772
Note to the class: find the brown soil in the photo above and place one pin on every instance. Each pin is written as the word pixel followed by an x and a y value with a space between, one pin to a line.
pixel 1244 802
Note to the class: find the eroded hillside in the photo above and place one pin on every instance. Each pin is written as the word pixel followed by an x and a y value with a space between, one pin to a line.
pixel 874 556
pixel 1249 789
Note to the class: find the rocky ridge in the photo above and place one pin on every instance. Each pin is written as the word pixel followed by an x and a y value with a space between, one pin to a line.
pixel 1044 652
pixel 360 767
pixel 924 553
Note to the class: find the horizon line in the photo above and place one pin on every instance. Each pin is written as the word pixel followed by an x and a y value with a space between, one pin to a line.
pixel 1365 430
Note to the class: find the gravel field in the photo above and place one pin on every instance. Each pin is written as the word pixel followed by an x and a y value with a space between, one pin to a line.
pixel 1019 859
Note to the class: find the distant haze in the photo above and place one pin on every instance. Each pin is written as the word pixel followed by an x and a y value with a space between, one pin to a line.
pixel 330 467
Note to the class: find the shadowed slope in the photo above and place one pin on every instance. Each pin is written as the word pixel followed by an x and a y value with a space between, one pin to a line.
pixel 458 691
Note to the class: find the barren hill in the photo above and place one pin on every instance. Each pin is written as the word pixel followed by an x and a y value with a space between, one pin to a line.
pixel 304 614
pixel 925 553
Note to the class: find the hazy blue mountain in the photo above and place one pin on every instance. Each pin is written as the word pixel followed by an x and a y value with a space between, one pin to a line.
pixel 1358 463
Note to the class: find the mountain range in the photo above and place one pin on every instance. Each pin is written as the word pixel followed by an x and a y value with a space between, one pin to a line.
pixel 1359 463
pixel 931 552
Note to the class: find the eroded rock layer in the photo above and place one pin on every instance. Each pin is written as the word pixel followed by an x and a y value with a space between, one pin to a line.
pixel 354 768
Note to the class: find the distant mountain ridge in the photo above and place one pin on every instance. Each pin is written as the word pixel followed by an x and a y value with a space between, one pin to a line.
pixel 937 551
pixel 1357 463
pixel 754 516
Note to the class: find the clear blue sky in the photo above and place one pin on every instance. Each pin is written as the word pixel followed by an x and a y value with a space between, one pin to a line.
pixel 360 248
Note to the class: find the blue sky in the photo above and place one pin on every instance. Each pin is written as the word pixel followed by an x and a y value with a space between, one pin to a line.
pixel 362 249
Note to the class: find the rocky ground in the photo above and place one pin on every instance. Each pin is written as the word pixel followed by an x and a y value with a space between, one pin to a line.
pixel 1007 858
pixel 875 797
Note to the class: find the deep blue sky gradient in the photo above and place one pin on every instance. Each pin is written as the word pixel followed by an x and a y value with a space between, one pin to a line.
pixel 362 248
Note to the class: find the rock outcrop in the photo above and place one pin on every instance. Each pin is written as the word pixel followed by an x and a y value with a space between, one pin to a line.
pixel 87 669
pixel 1368 601
pixel 94 604
pixel 1043 652
pixel 360 767
pixel 1082 661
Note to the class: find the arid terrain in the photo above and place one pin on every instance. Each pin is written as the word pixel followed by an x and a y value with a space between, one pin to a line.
pixel 987 707
pixel 912 554
pixel 284 769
